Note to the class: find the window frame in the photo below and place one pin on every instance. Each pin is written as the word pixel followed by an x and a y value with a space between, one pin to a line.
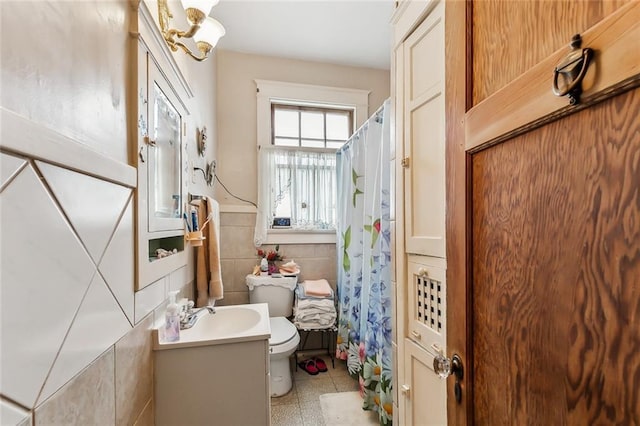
pixel 269 92
pixel 349 112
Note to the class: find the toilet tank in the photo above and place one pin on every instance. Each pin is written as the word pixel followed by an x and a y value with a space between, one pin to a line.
pixel 276 292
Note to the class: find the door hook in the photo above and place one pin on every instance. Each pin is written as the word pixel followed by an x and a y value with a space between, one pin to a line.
pixel 572 68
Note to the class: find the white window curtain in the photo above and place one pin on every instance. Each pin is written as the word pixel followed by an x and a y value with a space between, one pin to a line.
pixel 295 183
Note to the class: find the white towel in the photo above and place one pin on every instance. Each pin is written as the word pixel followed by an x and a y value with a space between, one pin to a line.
pixel 316 303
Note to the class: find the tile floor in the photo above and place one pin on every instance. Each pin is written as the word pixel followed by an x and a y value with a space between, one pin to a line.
pixel 301 406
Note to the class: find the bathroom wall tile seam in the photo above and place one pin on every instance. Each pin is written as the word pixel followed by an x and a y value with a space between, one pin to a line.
pixel 96 278
pixel 46 183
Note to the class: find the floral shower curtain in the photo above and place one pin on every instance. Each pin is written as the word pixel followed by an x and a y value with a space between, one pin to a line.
pixel 364 259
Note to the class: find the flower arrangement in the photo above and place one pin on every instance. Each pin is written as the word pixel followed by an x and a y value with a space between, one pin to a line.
pixel 270 255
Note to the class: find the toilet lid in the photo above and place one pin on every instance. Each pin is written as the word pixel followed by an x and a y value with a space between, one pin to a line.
pixel 282 330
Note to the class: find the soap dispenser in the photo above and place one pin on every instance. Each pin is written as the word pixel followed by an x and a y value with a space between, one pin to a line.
pixel 172 319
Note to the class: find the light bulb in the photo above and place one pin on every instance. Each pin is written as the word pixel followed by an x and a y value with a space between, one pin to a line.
pixel 210 32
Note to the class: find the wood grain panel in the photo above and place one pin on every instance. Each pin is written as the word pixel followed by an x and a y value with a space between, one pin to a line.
pixel 509 37
pixel 457 91
pixel 556 272
pixel 528 102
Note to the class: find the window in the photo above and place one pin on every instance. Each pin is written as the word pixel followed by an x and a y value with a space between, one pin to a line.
pixel 300 128
pixel 310 127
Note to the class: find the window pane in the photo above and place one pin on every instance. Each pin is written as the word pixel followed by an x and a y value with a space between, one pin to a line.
pixel 285 123
pixel 312 124
pixel 286 142
pixel 334 144
pixel 338 126
pixel 308 143
pixel 283 206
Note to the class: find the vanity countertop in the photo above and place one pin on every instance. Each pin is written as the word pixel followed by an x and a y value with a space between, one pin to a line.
pixel 230 324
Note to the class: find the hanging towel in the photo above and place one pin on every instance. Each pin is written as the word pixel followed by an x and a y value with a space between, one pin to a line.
pixel 317 288
pixel 208 277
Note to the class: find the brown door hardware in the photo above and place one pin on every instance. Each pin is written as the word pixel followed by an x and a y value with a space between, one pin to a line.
pixel 149 141
pixel 572 68
pixel 405 162
pixel 444 367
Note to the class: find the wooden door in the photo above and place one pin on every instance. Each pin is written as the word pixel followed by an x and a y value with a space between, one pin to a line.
pixel 543 248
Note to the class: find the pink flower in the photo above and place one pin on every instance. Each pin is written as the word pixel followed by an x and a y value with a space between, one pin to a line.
pixel 361 352
pixel 361 383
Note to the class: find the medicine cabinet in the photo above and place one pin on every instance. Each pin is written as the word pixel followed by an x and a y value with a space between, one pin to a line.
pixel 159 137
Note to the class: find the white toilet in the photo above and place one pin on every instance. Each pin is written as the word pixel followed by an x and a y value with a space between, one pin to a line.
pixel 278 294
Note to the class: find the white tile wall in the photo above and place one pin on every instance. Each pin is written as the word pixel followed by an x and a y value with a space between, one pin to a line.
pixel 99 323
pixel 11 414
pixel 45 272
pixel 178 278
pixel 8 166
pixel 92 205
pixel 118 263
pixel 150 297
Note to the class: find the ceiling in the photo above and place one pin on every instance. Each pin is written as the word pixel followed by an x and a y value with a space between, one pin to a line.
pixel 345 32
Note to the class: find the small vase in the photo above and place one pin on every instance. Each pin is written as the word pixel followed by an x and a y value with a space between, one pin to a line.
pixel 273 268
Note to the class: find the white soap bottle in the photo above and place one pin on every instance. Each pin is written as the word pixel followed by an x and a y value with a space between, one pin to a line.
pixel 172 319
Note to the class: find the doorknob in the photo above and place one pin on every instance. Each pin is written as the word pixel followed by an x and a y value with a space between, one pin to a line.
pixel 405 390
pixel 444 367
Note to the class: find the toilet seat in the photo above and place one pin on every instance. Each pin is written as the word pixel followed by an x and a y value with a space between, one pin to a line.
pixel 284 335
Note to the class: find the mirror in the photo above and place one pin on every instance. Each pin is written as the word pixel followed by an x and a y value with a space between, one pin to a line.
pixel 165 164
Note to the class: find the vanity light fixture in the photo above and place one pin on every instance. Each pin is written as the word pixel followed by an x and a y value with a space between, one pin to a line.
pixel 204 30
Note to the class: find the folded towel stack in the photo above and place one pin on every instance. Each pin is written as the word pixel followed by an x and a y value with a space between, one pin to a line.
pixel 314 290
pixel 314 306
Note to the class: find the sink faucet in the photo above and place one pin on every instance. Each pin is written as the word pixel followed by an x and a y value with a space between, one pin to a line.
pixel 191 317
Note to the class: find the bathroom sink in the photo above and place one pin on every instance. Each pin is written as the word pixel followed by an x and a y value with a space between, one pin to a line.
pixel 230 324
pixel 228 320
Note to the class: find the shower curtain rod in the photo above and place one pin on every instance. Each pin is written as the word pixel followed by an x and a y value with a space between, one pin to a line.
pixel 378 111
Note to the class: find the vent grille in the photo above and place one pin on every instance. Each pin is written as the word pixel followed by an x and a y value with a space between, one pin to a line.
pixel 429 302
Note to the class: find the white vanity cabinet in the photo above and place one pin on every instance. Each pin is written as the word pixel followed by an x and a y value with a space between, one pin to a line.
pixel 225 384
pixel 217 373
pixel 159 123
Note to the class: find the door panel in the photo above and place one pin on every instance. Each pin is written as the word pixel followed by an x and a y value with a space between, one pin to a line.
pixel 509 37
pixel 423 78
pixel 426 399
pixel 543 220
pixel 556 271
pixel 426 309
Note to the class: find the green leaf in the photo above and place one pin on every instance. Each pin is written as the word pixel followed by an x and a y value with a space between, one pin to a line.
pixel 347 238
pixel 354 176
pixel 346 263
pixel 356 193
